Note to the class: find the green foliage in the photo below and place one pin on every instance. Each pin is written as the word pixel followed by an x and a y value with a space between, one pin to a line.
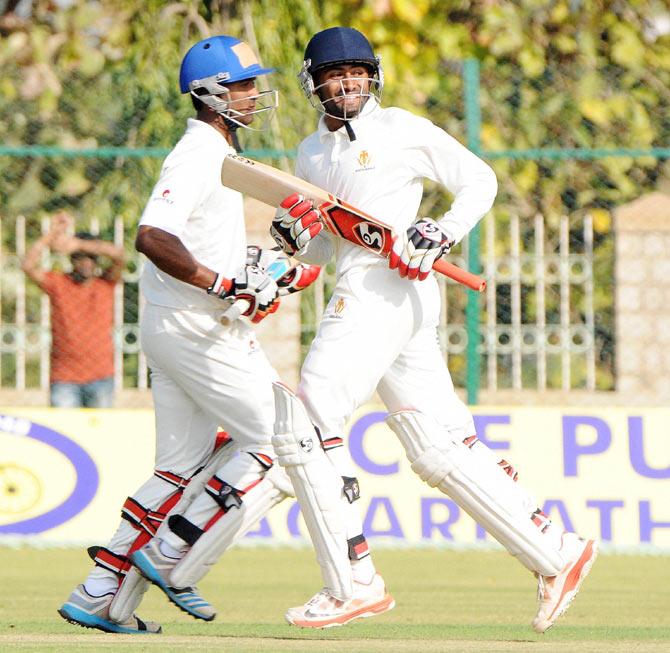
pixel 561 74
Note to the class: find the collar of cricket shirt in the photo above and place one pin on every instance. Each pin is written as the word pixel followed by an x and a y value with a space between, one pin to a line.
pixel 324 133
pixel 203 130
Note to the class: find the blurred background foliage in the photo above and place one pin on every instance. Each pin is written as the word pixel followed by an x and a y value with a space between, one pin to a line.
pixel 561 74
pixel 554 74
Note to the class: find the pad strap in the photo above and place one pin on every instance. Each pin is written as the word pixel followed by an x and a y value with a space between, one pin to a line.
pixel 263 460
pixel 107 559
pixel 147 520
pixel 351 488
pixel 358 547
pixel 332 443
pixel 174 479
pixel 185 529
pixel 223 493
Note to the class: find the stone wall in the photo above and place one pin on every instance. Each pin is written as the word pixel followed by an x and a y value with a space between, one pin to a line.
pixel 642 300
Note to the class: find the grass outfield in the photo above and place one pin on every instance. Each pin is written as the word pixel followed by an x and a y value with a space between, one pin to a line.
pixel 446 601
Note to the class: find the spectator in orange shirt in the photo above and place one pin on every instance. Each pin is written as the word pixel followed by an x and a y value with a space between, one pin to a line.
pixel 82 314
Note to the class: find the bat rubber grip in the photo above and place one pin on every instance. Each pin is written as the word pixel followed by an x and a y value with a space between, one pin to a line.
pixel 468 279
pixel 234 312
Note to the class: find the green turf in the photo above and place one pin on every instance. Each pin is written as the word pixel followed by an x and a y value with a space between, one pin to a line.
pixel 446 601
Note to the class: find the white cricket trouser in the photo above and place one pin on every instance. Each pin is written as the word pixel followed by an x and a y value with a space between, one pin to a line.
pixel 379 332
pixel 205 375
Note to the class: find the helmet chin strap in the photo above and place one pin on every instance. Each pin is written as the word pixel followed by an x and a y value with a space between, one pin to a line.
pixel 232 130
pixel 350 131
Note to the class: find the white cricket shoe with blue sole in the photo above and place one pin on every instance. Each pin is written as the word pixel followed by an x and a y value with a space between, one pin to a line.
pixel 89 611
pixel 156 567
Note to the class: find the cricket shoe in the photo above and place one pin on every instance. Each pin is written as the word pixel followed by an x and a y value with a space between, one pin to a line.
pixel 156 567
pixel 554 593
pixel 90 611
pixel 325 611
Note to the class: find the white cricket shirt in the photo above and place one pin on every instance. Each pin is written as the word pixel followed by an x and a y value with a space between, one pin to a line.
pixel 190 202
pixel 382 172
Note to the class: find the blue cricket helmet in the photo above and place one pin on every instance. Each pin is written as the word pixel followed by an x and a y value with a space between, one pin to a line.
pixel 339 45
pixel 224 57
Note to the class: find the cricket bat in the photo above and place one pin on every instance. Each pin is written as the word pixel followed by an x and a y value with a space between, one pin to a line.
pixel 271 186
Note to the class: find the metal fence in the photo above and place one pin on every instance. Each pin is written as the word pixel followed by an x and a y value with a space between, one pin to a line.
pixel 25 331
pixel 540 325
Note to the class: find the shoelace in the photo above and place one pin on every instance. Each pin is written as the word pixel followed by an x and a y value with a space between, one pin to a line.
pixel 318 596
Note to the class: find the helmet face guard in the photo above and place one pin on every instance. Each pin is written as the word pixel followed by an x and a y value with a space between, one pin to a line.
pixel 333 47
pixel 216 96
pixel 369 87
pixel 212 65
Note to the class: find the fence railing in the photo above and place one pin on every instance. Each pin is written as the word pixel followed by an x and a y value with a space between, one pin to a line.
pixel 536 327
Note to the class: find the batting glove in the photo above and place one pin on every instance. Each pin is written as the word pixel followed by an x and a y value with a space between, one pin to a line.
pixel 295 223
pixel 253 285
pixel 414 252
pixel 301 276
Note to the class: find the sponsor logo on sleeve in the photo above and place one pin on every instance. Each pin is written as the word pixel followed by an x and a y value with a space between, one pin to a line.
pixel 163 196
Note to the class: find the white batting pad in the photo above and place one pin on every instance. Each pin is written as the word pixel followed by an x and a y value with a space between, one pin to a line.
pixel 229 529
pixel 134 585
pixel 318 488
pixel 478 486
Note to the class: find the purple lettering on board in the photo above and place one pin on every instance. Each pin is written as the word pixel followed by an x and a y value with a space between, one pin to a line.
pixel 481 424
pixel 605 509
pixel 376 505
pixel 357 450
pixel 647 524
pixel 292 520
pixel 263 529
pixel 430 523
pixel 636 451
pixel 572 450
pixel 559 505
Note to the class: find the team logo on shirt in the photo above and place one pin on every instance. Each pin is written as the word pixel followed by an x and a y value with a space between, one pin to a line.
pixel 339 306
pixel 365 161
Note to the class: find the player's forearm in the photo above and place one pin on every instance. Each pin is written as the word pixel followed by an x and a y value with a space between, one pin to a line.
pixel 473 200
pixel 168 254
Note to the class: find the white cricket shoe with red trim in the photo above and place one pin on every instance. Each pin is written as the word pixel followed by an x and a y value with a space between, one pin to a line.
pixel 325 611
pixel 554 593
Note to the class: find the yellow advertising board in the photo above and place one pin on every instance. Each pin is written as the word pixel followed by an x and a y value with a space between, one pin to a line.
pixel 602 472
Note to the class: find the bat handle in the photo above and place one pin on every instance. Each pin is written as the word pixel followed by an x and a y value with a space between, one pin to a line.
pixel 468 279
pixel 234 311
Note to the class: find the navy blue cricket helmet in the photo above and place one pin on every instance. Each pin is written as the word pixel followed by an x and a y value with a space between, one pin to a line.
pixel 339 45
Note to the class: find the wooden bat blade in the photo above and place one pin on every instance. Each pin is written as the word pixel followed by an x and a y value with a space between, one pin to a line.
pixel 265 183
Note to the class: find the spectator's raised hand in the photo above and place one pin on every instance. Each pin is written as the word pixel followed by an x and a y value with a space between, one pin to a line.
pixel 60 239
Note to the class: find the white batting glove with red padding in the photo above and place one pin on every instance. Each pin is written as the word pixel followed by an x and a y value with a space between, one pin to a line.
pixel 414 252
pixel 299 278
pixel 252 284
pixel 295 223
